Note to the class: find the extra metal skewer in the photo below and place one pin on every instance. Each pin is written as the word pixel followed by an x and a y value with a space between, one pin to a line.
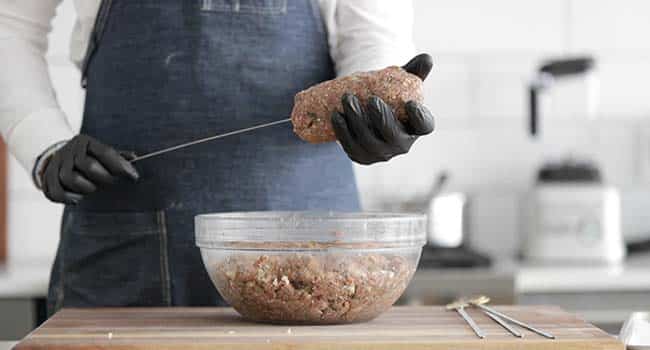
pixel 503 324
pixel 459 307
pixel 479 303
pixel 206 139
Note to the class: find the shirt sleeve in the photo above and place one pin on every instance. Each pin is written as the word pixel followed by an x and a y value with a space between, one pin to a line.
pixel 30 117
pixel 369 34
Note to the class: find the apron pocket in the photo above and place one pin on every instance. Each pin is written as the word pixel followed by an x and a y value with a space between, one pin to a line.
pixel 114 259
pixel 260 7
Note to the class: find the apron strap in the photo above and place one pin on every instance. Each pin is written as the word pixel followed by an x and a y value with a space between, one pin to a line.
pixel 95 36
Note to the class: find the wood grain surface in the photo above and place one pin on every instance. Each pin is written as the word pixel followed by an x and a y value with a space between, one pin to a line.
pixel 407 328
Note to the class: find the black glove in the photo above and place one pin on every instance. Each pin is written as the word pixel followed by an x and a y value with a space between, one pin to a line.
pixel 373 134
pixel 80 167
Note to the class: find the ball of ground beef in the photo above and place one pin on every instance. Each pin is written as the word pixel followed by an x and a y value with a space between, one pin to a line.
pixel 312 110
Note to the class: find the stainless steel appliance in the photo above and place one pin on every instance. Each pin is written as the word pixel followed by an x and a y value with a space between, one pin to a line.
pixel 448 229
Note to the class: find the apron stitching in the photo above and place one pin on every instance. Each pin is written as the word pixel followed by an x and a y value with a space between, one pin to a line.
pixel 277 8
pixel 102 20
pixel 207 5
pixel 315 10
pixel 95 37
pixel 61 287
pixel 164 260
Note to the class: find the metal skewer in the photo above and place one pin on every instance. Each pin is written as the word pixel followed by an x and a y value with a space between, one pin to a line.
pixel 479 303
pixel 503 324
pixel 206 139
pixel 484 300
pixel 459 307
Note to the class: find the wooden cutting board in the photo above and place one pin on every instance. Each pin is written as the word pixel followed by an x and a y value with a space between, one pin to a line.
pixel 402 328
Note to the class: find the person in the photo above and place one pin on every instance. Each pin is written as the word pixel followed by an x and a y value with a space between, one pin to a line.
pixel 158 73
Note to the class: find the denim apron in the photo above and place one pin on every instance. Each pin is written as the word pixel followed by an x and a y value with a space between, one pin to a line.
pixel 163 72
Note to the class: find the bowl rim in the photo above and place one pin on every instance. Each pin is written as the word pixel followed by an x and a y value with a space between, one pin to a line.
pixel 324 215
pixel 340 230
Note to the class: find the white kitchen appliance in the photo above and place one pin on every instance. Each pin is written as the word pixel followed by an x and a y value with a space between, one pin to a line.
pixel 571 216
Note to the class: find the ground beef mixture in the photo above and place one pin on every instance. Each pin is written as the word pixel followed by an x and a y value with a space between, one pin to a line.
pixel 312 288
pixel 312 110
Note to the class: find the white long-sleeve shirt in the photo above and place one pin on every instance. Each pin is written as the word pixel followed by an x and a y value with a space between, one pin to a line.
pixel 362 35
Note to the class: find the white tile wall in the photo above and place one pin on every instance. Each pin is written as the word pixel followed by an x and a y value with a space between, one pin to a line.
pixel 604 25
pixel 452 87
pixel 501 84
pixel 478 26
pixel 623 85
pixel 485 52
pixel 493 227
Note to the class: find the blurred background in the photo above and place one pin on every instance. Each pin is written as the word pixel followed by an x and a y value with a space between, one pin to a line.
pixel 544 218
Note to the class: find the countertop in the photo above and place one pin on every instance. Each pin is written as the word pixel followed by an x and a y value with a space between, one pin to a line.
pixel 7 345
pixel 632 275
pixel 21 279
pixel 530 278
pixel 30 279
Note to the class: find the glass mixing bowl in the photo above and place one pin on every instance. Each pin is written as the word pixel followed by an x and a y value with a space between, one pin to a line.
pixel 310 267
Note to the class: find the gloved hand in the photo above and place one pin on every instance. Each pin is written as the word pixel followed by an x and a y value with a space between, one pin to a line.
pixel 373 134
pixel 80 167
